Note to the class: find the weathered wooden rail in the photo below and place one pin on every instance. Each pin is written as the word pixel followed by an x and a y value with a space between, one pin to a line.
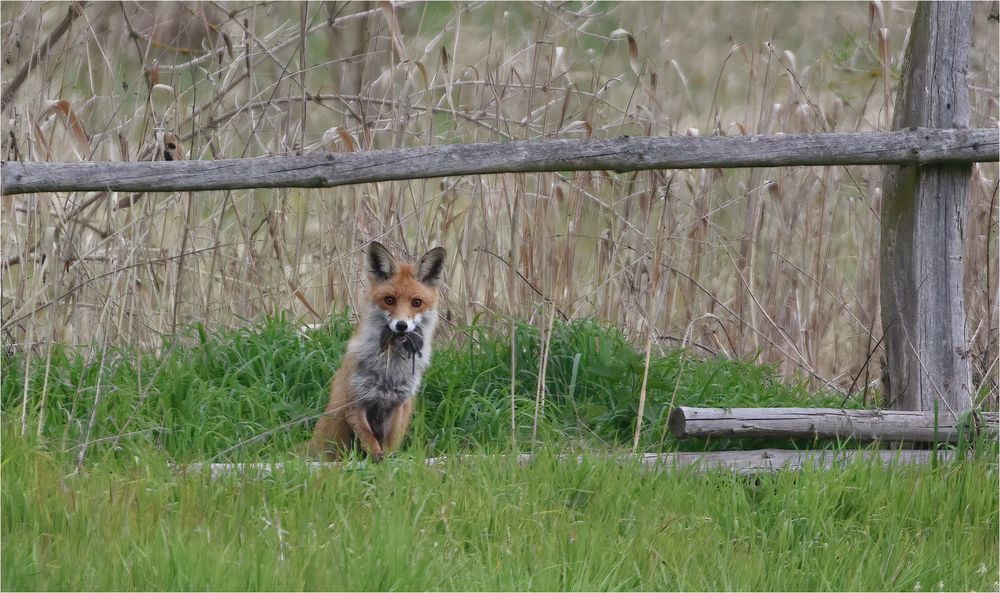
pixel 916 146
pixel 742 462
pixel 827 423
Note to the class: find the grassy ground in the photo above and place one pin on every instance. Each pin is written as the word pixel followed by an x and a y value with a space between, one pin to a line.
pixel 133 524
pixel 206 395
pixel 762 265
pixel 128 521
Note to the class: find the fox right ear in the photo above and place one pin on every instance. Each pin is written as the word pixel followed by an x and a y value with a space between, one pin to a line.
pixel 430 266
pixel 381 264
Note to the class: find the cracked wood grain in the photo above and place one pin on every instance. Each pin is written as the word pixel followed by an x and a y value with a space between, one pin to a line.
pixel 923 212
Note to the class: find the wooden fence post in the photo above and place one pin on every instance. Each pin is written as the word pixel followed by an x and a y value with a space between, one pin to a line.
pixel 923 211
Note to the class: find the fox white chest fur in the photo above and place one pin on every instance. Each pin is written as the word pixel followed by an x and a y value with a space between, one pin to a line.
pixel 371 399
pixel 391 375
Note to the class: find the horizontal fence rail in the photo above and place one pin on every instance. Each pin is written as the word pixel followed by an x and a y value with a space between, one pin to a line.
pixel 913 146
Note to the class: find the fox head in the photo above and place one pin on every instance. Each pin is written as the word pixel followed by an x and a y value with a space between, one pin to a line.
pixel 406 295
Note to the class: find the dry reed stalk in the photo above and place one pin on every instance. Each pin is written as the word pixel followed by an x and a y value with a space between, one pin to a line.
pixel 41 52
pixel 513 382
pixel 179 270
pixel 655 302
pixel 27 380
pixel 95 407
pixel 642 392
pixel 798 253
pixel 540 391
pixel 513 209
pixel 45 386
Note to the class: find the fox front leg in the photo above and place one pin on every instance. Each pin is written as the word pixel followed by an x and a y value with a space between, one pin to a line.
pixel 358 420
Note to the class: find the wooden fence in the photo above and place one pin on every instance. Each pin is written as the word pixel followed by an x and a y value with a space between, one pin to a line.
pixel 928 163
pixel 917 146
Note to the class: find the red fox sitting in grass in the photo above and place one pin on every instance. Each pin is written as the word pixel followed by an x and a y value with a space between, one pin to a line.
pixel 372 393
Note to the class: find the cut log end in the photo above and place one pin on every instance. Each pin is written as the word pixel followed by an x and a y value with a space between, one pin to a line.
pixel 676 422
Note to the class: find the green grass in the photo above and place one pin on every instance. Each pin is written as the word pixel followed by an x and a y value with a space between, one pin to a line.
pixel 130 521
pixel 207 393
pixel 134 524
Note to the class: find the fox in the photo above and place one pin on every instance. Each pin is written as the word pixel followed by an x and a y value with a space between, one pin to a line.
pixel 371 396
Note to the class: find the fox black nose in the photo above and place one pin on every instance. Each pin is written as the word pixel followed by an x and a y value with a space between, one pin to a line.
pixel 401 326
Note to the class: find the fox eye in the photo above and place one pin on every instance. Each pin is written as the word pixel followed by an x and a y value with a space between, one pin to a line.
pixel 416 303
pixel 390 300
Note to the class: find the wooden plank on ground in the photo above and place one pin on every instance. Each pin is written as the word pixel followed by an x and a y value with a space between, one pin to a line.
pixel 742 462
pixel 809 423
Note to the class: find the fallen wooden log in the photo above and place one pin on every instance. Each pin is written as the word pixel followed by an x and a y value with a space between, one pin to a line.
pixel 810 423
pixel 741 462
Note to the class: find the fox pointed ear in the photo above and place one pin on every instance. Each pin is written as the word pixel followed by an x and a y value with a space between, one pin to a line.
pixel 431 265
pixel 381 264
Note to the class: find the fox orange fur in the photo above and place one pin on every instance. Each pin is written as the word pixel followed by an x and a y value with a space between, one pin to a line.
pixel 371 398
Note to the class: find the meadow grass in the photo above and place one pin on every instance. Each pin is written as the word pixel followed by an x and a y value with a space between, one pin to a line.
pixel 142 330
pixel 133 523
pixel 254 392
pixel 130 520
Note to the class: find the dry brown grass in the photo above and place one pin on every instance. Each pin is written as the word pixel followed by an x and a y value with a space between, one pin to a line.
pixel 776 263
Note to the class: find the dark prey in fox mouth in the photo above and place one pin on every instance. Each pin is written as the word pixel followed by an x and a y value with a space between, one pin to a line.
pixel 412 342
